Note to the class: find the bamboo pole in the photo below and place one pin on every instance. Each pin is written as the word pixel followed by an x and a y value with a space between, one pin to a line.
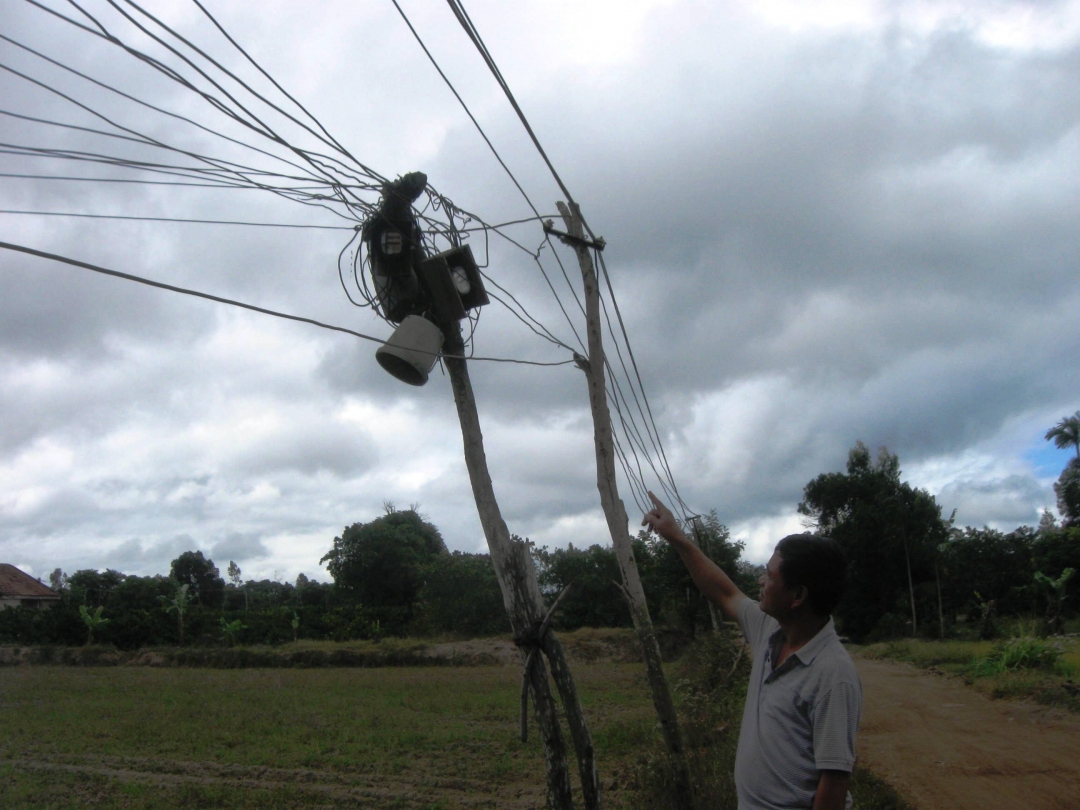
pixel 615 513
pixel 524 603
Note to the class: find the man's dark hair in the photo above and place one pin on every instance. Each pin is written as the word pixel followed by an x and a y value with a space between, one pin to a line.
pixel 816 563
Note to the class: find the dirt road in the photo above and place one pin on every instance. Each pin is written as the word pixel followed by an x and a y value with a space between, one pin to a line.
pixel 946 747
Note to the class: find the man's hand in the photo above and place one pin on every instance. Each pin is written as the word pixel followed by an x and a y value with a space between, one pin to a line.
pixel 661 520
pixel 832 790
pixel 713 583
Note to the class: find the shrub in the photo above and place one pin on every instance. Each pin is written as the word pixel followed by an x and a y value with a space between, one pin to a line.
pixel 1019 654
pixel 710 689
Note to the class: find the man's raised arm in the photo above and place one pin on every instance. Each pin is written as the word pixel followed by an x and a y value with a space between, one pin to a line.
pixel 714 584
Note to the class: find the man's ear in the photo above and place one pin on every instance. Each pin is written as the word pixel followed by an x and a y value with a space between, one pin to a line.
pixel 802 596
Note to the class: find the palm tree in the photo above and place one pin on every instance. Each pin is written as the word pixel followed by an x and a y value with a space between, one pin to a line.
pixel 1066 433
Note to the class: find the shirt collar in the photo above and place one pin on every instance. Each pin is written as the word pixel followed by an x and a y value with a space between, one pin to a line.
pixel 809 651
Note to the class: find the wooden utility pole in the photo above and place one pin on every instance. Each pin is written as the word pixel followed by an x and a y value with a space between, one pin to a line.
pixel 516 573
pixel 615 512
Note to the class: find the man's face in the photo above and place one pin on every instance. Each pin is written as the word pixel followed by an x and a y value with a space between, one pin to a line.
pixel 775 599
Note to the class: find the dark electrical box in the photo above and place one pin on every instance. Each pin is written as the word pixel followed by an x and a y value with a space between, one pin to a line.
pixel 453 283
pixel 395 249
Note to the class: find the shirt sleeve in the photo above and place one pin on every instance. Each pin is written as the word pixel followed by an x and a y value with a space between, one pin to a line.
pixel 756 626
pixel 836 718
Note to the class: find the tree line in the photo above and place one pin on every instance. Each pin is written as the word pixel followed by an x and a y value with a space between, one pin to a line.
pixel 910 572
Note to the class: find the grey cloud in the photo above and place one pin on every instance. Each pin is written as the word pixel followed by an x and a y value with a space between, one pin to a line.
pixel 135 556
pixel 872 236
pixel 238 546
pixel 1002 503
pixel 308 449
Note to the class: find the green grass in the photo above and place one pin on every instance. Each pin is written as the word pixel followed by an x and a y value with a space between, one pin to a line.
pixel 869 792
pixel 402 737
pixel 1044 670
pixel 408 737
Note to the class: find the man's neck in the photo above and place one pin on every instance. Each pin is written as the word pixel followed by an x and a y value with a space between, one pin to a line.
pixel 800 629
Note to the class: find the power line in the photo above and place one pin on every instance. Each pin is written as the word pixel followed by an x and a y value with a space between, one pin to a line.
pixel 232 302
pixel 336 176
pixel 72 178
pixel 498 157
pixel 178 219
pixel 470 29
pixel 654 438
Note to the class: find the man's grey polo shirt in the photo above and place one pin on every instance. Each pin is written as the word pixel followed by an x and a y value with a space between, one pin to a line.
pixel 800 718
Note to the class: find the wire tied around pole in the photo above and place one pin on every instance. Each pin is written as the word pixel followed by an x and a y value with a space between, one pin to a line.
pixel 532 639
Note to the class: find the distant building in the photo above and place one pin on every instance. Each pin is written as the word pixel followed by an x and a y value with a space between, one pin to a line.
pixel 19 588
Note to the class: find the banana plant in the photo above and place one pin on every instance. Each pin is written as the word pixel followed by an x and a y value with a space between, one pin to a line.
pixel 1055 589
pixel 178 604
pixel 92 621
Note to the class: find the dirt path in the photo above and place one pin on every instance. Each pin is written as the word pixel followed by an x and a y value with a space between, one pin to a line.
pixel 946 747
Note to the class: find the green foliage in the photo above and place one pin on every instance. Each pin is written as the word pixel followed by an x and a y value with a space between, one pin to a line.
pixel 1066 433
pixel 178 604
pixel 460 596
pixel 954 656
pixel 709 688
pixel 673 598
pixel 92 621
pixel 885 526
pixel 201 576
pixel 1067 490
pixel 595 600
pixel 348 729
pixel 1055 590
pixel 380 564
pixel 871 792
pixel 980 565
pixel 90 587
pixel 1017 654
pixel 230 630
pixel 1055 586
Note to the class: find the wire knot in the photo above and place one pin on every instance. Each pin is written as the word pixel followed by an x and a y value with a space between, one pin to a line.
pixel 532 637
pixel 529 641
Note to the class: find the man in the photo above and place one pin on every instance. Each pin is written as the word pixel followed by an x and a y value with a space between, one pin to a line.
pixel 797 744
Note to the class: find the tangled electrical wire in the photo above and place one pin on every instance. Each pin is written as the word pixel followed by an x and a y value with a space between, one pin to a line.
pixel 265 140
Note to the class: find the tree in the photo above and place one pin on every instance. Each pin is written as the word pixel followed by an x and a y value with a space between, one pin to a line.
pixel 230 630
pixel 201 575
pixel 1055 590
pixel 1066 433
pixel 92 621
pixel 671 592
pixel 90 587
pixel 381 564
pixel 57 580
pixel 461 595
pixel 595 600
pixel 1067 490
pixel 980 566
pixel 234 577
pixel 178 604
pixel 889 530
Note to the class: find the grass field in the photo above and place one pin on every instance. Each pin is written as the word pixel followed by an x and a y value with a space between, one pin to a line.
pixel 1052 681
pixel 403 737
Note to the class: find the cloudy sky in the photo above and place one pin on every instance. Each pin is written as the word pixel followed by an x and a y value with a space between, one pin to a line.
pixel 826 222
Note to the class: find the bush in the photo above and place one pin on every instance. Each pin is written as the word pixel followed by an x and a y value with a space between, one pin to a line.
pixel 1019 654
pixel 710 689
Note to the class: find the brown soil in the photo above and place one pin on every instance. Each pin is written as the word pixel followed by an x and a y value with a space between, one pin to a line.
pixel 944 746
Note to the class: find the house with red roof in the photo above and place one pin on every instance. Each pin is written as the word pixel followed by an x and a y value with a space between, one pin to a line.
pixel 19 588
